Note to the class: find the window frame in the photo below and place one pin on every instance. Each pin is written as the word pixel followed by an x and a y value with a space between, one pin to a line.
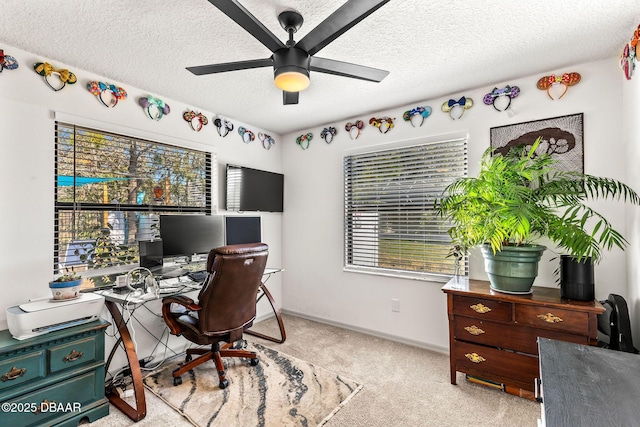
pixel 208 195
pixel 348 224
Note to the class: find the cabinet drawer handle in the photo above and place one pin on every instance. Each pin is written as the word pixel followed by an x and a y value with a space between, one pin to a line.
pixel 475 357
pixel 72 357
pixel 549 318
pixel 474 330
pixel 44 406
pixel 13 374
pixel 479 308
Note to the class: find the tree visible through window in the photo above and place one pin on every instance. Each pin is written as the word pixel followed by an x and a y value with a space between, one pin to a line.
pixel 390 221
pixel 109 190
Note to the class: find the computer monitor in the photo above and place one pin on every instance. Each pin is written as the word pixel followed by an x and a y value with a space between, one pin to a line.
pixel 186 235
pixel 242 229
pixel 150 254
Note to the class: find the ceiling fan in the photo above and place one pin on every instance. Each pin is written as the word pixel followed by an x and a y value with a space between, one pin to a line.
pixel 292 61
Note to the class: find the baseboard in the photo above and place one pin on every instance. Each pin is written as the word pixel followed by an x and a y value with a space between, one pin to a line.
pixel 436 348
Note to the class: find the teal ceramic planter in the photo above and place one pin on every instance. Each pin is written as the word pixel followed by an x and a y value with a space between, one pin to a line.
pixel 514 268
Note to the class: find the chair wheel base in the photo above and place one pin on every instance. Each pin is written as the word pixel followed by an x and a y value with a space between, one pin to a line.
pixel 224 384
pixel 254 362
pixel 177 381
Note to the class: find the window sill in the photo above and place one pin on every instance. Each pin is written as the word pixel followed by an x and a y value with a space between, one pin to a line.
pixel 400 274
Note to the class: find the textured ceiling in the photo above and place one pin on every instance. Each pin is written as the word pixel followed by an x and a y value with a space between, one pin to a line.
pixel 431 48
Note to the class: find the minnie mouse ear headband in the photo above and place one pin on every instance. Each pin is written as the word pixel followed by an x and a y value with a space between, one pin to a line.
pixel 508 92
pixel 247 135
pixel 457 108
pixel 328 133
pixel 154 107
pixel 267 140
pixel 566 80
pixel 304 140
pixel 8 62
pixel 107 93
pixel 45 70
pixel 196 120
pixel 422 112
pixel 358 125
pixel 223 123
pixel 384 124
pixel 630 55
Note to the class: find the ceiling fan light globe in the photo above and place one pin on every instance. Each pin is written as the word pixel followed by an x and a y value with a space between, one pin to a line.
pixel 292 80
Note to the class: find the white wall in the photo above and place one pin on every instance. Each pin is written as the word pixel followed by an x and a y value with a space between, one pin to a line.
pixel 27 114
pixel 631 138
pixel 315 284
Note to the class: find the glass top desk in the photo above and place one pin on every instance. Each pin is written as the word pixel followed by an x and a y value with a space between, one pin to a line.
pixel 116 303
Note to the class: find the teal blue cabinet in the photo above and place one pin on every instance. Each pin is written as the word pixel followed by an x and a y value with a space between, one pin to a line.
pixel 56 379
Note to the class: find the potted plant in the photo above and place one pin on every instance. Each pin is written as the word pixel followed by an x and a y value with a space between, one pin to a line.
pixel 518 198
pixel 66 286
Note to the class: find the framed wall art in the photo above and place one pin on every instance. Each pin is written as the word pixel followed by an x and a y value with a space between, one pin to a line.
pixel 562 138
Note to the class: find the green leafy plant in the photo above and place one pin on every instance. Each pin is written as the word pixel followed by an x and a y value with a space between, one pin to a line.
pixel 68 277
pixel 519 197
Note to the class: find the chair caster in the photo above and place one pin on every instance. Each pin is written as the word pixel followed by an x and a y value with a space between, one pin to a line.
pixel 177 381
pixel 254 362
pixel 224 384
pixel 188 358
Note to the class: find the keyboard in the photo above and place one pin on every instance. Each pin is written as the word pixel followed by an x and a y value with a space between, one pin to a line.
pixel 197 276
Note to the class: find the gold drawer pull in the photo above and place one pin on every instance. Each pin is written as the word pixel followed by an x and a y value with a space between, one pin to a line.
pixel 474 330
pixel 475 357
pixel 549 318
pixel 13 374
pixel 479 308
pixel 72 357
pixel 44 406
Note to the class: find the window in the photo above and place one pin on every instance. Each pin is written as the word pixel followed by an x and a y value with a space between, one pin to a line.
pixel 110 189
pixel 391 226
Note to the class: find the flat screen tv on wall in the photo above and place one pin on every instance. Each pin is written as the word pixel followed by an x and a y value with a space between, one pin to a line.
pixel 253 190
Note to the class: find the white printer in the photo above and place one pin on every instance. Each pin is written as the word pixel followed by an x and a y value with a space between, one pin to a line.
pixel 44 315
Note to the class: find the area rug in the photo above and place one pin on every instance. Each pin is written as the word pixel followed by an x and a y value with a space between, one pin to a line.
pixel 280 391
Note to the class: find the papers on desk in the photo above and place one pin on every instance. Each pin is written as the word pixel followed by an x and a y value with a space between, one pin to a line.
pixel 176 285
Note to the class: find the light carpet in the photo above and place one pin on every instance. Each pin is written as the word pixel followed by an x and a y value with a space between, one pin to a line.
pixel 280 391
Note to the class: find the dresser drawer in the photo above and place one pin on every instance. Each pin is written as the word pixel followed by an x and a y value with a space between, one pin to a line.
pixel 508 336
pixel 503 366
pixel 69 396
pixel 72 354
pixel 576 322
pixel 480 308
pixel 20 369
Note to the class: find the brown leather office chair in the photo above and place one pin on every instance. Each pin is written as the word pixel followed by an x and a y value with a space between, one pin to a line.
pixel 226 307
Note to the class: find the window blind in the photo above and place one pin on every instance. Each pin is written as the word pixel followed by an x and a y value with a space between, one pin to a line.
pixel 389 207
pixel 110 189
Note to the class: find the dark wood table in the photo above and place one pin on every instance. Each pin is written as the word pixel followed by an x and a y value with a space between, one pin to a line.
pixel 588 386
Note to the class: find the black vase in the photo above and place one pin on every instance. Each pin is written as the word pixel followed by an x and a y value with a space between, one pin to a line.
pixel 576 279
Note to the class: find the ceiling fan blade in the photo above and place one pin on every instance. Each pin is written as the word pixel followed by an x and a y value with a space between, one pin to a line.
pixel 348 15
pixel 246 20
pixel 289 98
pixel 230 66
pixel 347 69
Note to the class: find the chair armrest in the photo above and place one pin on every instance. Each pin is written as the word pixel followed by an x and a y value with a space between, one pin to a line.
pixel 169 317
pixel 181 300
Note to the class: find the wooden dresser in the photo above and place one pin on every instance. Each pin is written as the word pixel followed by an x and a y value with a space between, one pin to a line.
pixel 53 379
pixel 493 335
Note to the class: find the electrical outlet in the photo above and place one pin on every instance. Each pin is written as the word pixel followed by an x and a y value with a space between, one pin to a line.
pixel 395 305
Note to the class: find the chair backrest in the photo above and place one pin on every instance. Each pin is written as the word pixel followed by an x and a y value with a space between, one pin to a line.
pixel 228 298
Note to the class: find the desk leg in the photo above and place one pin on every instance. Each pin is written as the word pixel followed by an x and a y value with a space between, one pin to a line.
pixel 140 411
pixel 276 311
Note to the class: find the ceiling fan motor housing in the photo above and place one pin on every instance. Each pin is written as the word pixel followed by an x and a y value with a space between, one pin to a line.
pixel 291 59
